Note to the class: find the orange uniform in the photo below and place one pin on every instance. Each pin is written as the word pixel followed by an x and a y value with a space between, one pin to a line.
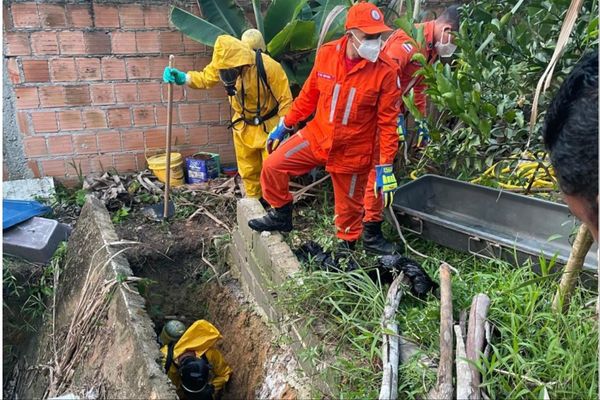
pixel 400 47
pixel 354 110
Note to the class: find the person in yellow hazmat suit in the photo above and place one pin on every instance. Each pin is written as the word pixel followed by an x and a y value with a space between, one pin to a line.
pixel 195 367
pixel 259 94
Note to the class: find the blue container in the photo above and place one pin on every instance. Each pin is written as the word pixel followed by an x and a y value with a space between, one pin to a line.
pixel 201 167
pixel 16 211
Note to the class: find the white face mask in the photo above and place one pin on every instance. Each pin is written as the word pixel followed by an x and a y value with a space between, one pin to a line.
pixel 445 50
pixel 368 49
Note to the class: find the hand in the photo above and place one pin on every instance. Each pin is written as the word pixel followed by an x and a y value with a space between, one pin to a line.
pixel 385 182
pixel 173 75
pixel 276 136
pixel 401 128
pixel 422 133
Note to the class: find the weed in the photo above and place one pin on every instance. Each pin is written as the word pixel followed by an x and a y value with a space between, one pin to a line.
pixel 120 215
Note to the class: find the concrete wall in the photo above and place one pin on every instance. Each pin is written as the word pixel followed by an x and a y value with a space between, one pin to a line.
pixel 87 87
pixel 124 356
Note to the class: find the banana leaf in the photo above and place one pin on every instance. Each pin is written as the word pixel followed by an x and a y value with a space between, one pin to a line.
pixel 225 14
pixel 279 14
pixel 196 28
pixel 325 8
pixel 258 16
pixel 297 35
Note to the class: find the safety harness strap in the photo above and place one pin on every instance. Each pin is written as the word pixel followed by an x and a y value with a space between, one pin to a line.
pixel 169 360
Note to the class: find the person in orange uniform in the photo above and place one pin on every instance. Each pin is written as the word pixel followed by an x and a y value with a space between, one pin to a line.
pixel 400 47
pixel 353 89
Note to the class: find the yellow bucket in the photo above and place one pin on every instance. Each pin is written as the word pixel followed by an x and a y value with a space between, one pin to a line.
pixel 158 165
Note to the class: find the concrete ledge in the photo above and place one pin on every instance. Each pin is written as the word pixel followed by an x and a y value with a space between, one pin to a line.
pixel 262 263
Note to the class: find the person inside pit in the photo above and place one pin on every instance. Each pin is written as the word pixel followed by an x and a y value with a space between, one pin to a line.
pixel 259 94
pixel 400 47
pixel 354 91
pixel 196 368
pixel 571 137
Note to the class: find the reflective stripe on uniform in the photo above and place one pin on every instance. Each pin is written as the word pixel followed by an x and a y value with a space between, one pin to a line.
pixel 296 149
pixel 352 186
pixel 336 94
pixel 348 106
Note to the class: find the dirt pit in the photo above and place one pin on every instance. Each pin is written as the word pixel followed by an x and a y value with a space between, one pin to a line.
pixel 181 285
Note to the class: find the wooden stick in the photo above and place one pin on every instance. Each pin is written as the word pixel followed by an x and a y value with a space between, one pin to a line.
pixel 168 145
pixel 390 351
pixel 464 384
pixel 476 339
pixel 444 389
pixel 582 245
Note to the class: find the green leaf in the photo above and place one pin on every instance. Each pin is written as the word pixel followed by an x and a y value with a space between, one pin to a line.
pixel 420 58
pixel 279 14
pixel 258 16
pixel 225 14
pixel 196 28
pixel 325 8
pixel 297 35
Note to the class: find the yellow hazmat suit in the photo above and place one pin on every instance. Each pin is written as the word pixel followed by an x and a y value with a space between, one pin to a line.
pixel 200 338
pixel 249 140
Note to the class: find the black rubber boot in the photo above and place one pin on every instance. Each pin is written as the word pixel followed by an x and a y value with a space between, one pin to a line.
pixel 375 243
pixel 277 219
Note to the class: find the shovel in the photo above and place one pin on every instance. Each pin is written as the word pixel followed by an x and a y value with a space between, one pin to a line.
pixel 166 209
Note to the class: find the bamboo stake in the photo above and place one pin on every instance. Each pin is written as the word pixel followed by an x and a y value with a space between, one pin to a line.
pixel 582 245
pixel 464 384
pixel 476 339
pixel 390 351
pixel 444 389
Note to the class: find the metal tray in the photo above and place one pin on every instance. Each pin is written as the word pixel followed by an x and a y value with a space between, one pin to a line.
pixel 488 223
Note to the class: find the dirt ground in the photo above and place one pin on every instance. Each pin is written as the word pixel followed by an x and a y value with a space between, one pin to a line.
pixel 183 287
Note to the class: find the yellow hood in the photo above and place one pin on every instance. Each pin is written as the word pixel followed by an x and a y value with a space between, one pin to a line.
pixel 230 52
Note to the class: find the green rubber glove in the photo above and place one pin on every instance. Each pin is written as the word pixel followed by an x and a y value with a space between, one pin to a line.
pixel 173 75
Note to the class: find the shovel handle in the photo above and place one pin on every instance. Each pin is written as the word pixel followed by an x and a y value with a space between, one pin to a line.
pixel 168 144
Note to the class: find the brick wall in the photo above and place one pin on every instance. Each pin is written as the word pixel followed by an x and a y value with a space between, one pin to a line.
pixel 87 85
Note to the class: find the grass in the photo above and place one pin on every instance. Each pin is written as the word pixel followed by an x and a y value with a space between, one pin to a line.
pixel 533 349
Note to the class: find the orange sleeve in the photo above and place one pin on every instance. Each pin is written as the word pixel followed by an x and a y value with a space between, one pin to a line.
pixel 306 102
pixel 388 108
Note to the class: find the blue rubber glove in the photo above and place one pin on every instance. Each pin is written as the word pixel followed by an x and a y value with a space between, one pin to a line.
pixel 385 182
pixel 276 136
pixel 173 75
pixel 422 133
pixel 401 128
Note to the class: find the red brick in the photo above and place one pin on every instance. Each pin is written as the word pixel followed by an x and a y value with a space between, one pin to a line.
pixel 60 145
pixel 123 42
pixel 44 43
pixel 97 43
pixel 209 112
pixel 70 120
pixel 94 119
pixel 85 144
pixel 77 95
pixel 227 154
pixel 141 161
pixel 44 121
pixel 6 17
pixel 79 16
pixel 156 17
pixel 154 139
pixel 13 70
pixel 113 68
pixel 100 163
pixel 109 141
pixel 191 46
pixel 52 15
pixel 124 163
pixel 53 167
pixel 35 146
pixel 219 134
pixel 132 16
pixel 27 97
pixel 17 44
pixel 198 135
pixel 138 68
pixel 177 136
pixel 147 42
pixel 195 94
pixel 119 117
pixel 189 113
pixel 157 67
pixel 216 93
pixel 25 15
pixel 126 93
pixel 200 62
pixel 133 140
pixel 102 94
pixel 34 167
pixel 63 70
pixel 88 69
pixel 36 71
pixel 171 42
pixel 106 16
pixel 78 165
pixel 71 42
pixel 178 92
pixel 161 115
pixel 143 116
pixel 149 92
pixel 184 63
pixel 23 122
